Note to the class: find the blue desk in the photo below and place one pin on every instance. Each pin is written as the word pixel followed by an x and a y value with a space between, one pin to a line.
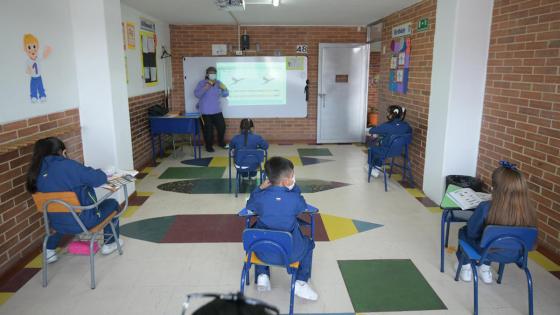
pixel 187 124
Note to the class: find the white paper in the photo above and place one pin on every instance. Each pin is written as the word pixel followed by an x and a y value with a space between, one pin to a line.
pixel 465 198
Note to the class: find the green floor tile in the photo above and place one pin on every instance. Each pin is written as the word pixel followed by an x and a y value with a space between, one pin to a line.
pixel 192 172
pixel 220 186
pixel 314 152
pixel 151 230
pixel 387 285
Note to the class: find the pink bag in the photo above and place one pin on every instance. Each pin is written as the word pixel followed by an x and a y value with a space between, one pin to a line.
pixel 81 248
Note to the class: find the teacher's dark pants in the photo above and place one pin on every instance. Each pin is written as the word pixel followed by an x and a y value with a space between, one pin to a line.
pixel 208 124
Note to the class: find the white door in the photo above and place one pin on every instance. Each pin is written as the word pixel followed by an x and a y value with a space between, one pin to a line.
pixel 342 100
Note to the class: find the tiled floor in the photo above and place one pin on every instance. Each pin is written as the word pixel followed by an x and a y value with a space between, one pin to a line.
pixel 361 223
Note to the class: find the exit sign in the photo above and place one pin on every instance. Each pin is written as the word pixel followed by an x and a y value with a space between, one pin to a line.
pixel 423 25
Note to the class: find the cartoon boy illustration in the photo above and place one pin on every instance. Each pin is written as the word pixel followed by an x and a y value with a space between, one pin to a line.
pixel 31 48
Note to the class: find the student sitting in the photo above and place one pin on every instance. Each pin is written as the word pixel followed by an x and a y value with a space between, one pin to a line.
pixel 277 202
pixel 395 125
pixel 52 171
pixel 509 206
pixel 247 139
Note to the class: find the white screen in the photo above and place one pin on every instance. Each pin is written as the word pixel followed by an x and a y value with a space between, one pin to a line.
pixel 259 86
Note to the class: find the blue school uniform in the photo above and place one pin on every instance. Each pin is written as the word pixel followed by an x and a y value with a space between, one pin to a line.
pixel 277 208
pixel 59 174
pixel 387 129
pixel 472 232
pixel 254 141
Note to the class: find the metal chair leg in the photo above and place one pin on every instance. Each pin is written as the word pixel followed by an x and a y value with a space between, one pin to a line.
pixel 292 290
pixel 448 223
pixel 91 260
pixel 115 236
pixel 45 263
pixel 501 272
pixel 442 238
pixel 459 266
pixel 475 287
pixel 530 289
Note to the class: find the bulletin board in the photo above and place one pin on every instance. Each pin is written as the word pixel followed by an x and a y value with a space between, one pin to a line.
pixel 148 47
pixel 400 61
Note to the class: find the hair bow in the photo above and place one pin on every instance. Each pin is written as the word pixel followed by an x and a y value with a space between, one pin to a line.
pixel 508 165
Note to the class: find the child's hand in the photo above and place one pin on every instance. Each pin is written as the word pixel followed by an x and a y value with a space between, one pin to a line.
pixel 223 86
pixel 265 184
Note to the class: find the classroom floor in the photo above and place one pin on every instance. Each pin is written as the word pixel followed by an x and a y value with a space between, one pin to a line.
pixel 376 251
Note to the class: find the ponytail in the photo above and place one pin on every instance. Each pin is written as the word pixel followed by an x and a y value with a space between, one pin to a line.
pixel 43 148
pixel 245 126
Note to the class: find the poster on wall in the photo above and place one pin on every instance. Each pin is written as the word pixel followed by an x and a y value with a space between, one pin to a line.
pixel 130 36
pixel 400 61
pixel 148 44
pixel 31 48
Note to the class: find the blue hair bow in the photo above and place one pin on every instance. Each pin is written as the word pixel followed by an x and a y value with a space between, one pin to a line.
pixel 508 165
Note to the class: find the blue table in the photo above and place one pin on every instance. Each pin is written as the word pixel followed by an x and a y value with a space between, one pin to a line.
pixel 187 124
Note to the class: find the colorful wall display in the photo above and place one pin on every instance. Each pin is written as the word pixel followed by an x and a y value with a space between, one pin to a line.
pixel 33 69
pixel 400 60
pixel 148 43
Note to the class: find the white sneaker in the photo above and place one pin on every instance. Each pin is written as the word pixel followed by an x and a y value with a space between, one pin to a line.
pixel 109 248
pixel 43 99
pixel 34 100
pixel 375 172
pixel 51 256
pixel 304 291
pixel 466 273
pixel 263 283
pixel 485 273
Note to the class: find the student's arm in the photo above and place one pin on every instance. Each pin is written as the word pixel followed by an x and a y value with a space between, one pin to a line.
pixel 252 203
pixel 262 143
pixel 201 89
pixel 381 129
pixel 87 175
pixel 301 205
pixel 233 143
pixel 475 225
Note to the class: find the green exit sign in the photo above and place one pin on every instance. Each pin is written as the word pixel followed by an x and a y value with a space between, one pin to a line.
pixel 423 25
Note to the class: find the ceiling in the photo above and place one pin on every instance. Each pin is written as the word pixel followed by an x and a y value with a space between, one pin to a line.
pixel 290 12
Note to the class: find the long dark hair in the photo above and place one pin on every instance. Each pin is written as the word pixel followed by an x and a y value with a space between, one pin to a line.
pixel 43 148
pixel 245 126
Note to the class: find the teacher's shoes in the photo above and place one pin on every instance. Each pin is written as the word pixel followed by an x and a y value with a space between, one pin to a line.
pixel 51 256
pixel 109 248
pixel 209 149
pixel 304 291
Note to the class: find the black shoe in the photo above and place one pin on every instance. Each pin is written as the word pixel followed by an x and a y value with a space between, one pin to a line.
pixel 209 149
pixel 224 146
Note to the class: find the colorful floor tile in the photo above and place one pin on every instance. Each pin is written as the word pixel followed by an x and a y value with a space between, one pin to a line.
pixel 310 161
pixel 192 172
pixel 136 200
pixel 544 261
pixel 219 161
pixel 130 211
pixel 198 162
pixel 4 296
pixel 228 228
pixel 314 152
pixel 221 186
pixel 387 286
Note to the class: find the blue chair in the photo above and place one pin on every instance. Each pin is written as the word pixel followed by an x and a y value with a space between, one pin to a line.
pixel 504 245
pixel 378 157
pixel 271 241
pixel 245 162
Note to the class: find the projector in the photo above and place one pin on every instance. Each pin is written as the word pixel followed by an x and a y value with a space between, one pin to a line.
pixel 231 5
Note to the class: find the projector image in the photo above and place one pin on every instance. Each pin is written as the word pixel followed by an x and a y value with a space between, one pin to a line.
pixel 231 5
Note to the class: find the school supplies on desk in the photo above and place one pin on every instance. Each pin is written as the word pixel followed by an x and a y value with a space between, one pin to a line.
pixel 467 198
pixel 119 179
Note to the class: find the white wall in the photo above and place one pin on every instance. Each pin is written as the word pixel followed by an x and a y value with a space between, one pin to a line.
pixel 50 23
pixel 136 85
pixel 461 45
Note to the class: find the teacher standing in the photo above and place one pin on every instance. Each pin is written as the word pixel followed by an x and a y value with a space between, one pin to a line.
pixel 209 91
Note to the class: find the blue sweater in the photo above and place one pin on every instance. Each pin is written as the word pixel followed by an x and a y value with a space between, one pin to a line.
pixel 254 141
pixel 387 129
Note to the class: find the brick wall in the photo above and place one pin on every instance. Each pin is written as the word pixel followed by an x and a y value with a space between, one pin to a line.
pixel 139 126
pixel 416 100
pixel 191 40
pixel 374 65
pixel 521 119
pixel 21 226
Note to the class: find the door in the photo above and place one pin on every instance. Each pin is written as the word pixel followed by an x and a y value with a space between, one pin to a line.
pixel 342 99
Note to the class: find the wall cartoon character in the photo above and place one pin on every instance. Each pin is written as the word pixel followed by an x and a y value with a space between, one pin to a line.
pixel 33 68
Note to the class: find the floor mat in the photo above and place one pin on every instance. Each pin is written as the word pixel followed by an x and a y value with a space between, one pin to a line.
pixel 314 152
pixel 388 285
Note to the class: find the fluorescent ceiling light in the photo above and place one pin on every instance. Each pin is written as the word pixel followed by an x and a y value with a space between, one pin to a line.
pixel 275 3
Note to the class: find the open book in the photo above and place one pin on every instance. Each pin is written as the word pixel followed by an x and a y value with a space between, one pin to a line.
pixel 467 198
pixel 119 178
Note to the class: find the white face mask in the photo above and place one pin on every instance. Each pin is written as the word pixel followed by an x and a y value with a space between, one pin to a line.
pixel 293 184
pixel 212 76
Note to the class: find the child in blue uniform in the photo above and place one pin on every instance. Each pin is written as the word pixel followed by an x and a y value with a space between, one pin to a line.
pixel 510 206
pixel 395 125
pixel 247 140
pixel 277 202
pixel 52 171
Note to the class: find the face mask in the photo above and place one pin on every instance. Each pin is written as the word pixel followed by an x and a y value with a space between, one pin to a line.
pixel 212 76
pixel 293 184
